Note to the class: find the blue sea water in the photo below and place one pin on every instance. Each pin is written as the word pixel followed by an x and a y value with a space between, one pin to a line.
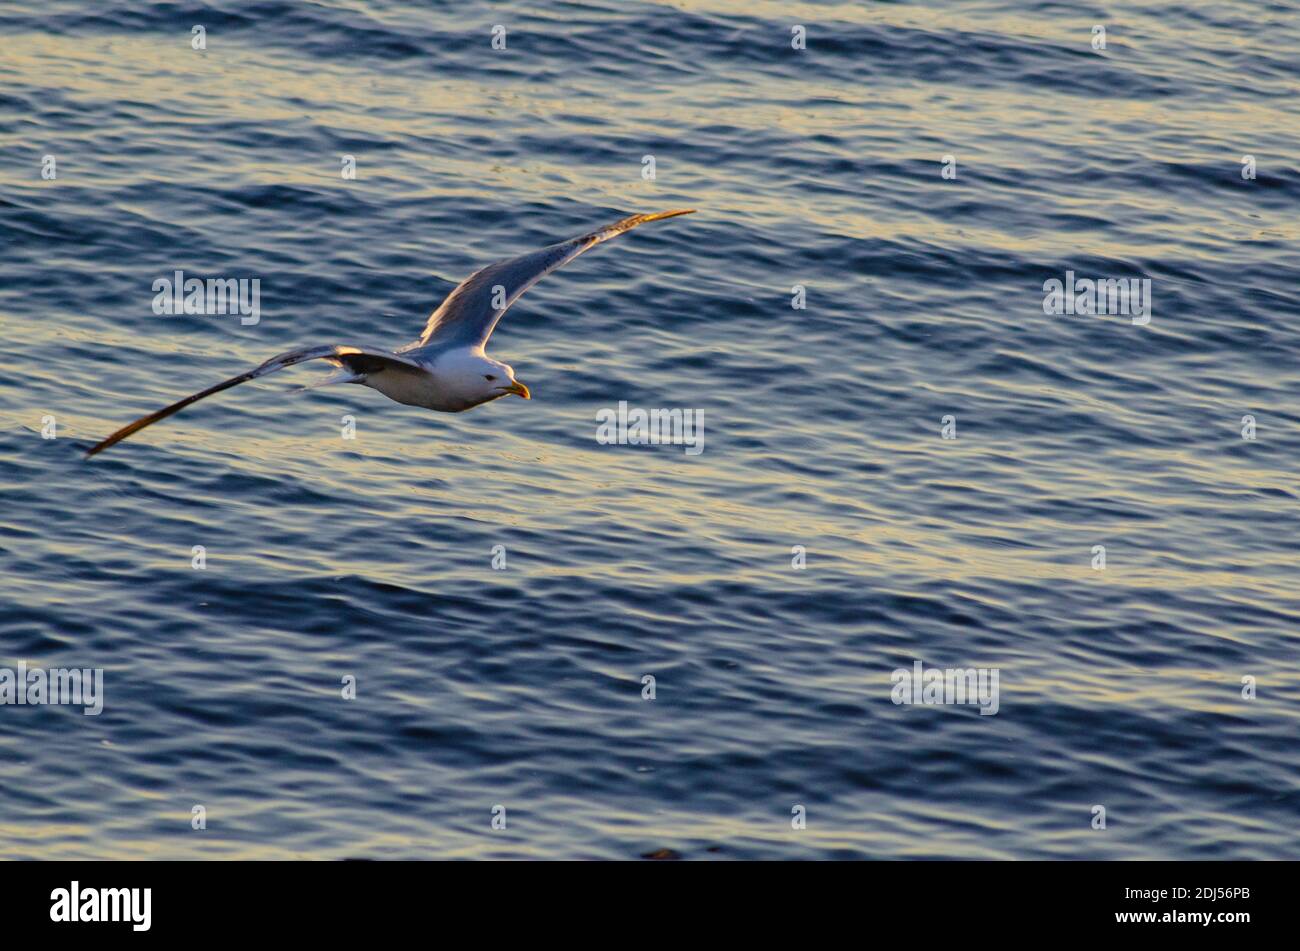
pixel 522 688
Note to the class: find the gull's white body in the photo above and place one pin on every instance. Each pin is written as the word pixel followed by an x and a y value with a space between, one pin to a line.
pixel 447 368
pixel 449 382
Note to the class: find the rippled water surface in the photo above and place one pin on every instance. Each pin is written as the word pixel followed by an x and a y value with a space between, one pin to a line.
pixel 372 558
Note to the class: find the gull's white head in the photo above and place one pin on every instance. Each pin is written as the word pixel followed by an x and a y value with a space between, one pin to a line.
pixel 477 378
pixel 501 380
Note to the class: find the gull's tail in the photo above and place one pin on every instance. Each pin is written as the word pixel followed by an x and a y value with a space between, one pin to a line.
pixel 343 376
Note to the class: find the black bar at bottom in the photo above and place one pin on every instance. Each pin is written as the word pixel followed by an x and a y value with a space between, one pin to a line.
pixel 1213 901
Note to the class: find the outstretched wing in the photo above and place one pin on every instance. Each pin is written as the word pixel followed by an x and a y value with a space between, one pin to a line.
pixel 360 361
pixel 470 312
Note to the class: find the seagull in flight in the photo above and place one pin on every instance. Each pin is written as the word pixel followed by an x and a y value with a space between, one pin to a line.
pixel 446 369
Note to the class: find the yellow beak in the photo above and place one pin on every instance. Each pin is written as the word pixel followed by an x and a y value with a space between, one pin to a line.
pixel 519 390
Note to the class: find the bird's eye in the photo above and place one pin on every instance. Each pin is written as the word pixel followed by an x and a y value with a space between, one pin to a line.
pixel 489 377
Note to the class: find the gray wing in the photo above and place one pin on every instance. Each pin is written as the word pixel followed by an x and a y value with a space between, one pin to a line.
pixel 470 312
pixel 354 358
